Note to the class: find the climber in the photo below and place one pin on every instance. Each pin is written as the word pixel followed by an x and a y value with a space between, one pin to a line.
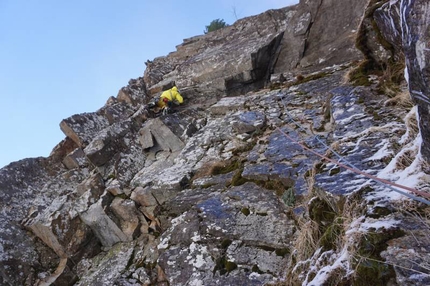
pixel 167 100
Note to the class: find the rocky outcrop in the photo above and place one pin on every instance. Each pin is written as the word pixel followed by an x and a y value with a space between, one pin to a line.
pixel 225 237
pixel 245 55
pixel 228 61
pixel 416 46
pixel 317 37
pixel 404 25
pixel 241 185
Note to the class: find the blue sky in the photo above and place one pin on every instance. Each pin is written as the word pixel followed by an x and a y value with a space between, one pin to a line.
pixel 59 58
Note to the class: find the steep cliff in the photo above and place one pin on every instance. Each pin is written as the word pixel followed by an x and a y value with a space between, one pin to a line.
pixel 300 157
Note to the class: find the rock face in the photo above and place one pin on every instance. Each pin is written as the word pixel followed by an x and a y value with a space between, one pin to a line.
pixel 242 57
pixel 242 185
pixel 416 45
pixel 402 25
pixel 317 37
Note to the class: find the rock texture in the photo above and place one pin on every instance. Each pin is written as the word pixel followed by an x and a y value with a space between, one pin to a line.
pixel 240 186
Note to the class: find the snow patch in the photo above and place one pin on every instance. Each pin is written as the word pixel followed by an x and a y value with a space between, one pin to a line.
pixel 383 152
pixel 342 261
pixel 377 224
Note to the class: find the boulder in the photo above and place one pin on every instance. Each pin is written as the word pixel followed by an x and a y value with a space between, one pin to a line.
pixel 106 230
pixel 116 112
pixel 143 197
pixel 107 143
pixel 125 210
pixel 93 187
pixel 114 188
pixel 75 159
pixel 82 128
pixel 161 134
pixel 133 94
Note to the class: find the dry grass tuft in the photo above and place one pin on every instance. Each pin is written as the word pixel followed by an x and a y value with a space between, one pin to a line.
pixel 305 245
pixel 402 99
pixel 307 241
pixel 412 123
pixel 209 169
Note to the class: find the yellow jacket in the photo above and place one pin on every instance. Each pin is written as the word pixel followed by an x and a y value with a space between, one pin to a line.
pixel 172 95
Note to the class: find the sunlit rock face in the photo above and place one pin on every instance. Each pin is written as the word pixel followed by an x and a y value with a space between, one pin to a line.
pixel 244 56
pixel 241 185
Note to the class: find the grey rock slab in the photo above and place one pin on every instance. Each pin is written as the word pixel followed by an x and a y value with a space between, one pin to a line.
pixel 144 197
pixel 82 128
pixel 107 143
pixel 192 248
pixel 106 230
pixel 75 159
pixel 164 137
pixel 247 122
pixel 125 210
pixel 106 268
pixel 227 105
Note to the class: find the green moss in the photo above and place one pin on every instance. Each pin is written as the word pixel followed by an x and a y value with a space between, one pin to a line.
pixel 230 266
pixel 374 113
pixel 289 197
pixel 319 168
pixel 376 116
pixel 224 266
pixel 321 212
pixel 225 169
pixel 237 179
pixel 275 86
pixel 370 269
pixel 373 243
pixel 122 196
pixel 303 79
pixel 273 185
pixel 256 269
pixel 245 211
pixel 332 233
pixel 300 92
pixel 208 185
pixel 282 252
pixel 334 171
pixel 226 243
pixel 244 148
pixel 111 176
pixel 295 164
pixel 278 186
pixel 360 75
pixel 370 272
